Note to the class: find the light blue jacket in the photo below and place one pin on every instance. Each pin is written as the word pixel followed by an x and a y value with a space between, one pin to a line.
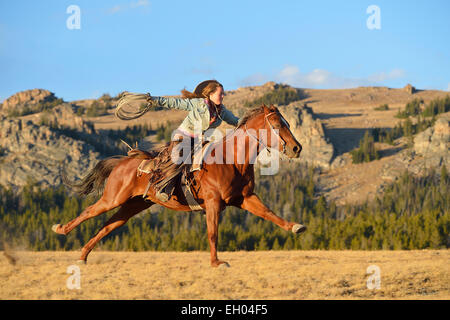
pixel 199 116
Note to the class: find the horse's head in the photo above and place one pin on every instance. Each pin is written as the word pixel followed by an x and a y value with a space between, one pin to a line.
pixel 276 131
pixel 279 134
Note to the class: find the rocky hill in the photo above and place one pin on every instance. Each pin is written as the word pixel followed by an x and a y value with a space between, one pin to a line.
pixel 36 146
pixel 39 131
pixel 29 101
pixel 347 182
pixel 32 152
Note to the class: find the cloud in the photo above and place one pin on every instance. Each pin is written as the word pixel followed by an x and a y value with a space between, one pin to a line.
pixel 448 87
pixel 320 78
pixel 140 3
pixel 114 9
pixel 383 76
pixel 207 44
pixel 131 5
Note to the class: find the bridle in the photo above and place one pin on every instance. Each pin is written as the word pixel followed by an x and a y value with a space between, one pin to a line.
pixel 283 143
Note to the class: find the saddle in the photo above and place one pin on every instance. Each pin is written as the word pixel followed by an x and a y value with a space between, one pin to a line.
pixel 161 170
pixel 146 166
pixel 150 163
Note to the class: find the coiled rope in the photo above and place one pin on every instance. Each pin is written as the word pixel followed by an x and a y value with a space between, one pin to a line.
pixel 133 105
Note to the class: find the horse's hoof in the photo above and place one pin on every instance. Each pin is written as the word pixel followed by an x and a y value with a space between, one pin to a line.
pixel 298 228
pixel 220 264
pixel 81 262
pixel 55 227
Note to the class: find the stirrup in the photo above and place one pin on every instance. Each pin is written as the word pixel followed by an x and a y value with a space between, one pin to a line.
pixel 162 196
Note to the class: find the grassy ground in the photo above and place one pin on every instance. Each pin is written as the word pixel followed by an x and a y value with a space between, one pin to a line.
pixel 252 275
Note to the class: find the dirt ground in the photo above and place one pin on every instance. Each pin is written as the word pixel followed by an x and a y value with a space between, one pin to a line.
pixel 287 275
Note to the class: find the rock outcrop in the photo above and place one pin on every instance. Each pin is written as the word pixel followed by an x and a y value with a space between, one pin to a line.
pixel 37 152
pixel 434 143
pixel 235 99
pixel 317 150
pixel 64 116
pixel 28 101
pixel 409 89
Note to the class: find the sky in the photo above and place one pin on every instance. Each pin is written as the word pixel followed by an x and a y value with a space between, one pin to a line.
pixel 162 47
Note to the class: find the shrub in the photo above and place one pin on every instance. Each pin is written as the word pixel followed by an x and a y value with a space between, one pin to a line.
pixel 97 109
pixel 382 107
pixel 45 105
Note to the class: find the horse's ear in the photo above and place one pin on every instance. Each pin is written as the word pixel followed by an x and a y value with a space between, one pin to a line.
pixel 269 109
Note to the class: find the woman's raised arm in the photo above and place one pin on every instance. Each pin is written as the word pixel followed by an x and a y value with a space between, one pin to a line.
pixel 229 117
pixel 178 103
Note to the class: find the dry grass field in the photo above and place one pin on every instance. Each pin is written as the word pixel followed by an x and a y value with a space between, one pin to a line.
pixel 265 275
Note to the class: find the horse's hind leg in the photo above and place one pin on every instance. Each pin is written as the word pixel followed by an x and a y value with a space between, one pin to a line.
pixel 128 209
pixel 101 206
pixel 118 190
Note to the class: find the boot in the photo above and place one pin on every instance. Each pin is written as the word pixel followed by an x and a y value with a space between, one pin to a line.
pixel 165 193
pixel 162 196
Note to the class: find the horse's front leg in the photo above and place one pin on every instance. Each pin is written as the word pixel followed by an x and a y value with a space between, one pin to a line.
pixel 213 209
pixel 254 205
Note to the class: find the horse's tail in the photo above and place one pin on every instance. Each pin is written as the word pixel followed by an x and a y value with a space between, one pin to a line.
pixel 95 180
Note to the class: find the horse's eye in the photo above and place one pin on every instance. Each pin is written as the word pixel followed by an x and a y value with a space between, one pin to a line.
pixel 277 125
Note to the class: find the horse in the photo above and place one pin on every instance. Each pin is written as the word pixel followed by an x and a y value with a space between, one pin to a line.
pixel 229 183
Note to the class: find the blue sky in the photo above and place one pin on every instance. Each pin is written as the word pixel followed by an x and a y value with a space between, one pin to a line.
pixel 162 47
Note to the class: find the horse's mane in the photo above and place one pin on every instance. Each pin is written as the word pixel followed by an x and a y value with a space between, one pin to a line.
pixel 250 114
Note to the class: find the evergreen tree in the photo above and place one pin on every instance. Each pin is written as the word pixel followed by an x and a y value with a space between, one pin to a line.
pixel 366 151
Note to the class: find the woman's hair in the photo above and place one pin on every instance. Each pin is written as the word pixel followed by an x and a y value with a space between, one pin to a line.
pixel 203 90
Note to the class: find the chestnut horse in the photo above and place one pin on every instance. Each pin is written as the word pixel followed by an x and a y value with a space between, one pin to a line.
pixel 229 183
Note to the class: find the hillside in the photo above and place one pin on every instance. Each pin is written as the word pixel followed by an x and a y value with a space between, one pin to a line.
pixel 328 123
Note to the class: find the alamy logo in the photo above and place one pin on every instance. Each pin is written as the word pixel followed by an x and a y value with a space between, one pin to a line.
pixel 374 281
pixel 73 22
pixel 74 281
pixel 374 20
